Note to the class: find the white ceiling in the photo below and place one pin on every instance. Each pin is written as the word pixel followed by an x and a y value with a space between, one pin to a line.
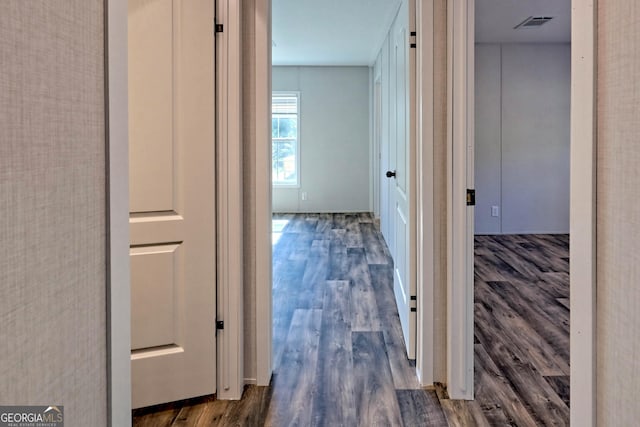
pixel 330 32
pixel 495 20
pixel 350 32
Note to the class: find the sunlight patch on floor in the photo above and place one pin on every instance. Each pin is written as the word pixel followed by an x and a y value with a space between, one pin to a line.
pixel 277 226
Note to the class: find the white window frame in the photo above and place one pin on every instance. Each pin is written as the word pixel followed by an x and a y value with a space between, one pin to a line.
pixel 276 184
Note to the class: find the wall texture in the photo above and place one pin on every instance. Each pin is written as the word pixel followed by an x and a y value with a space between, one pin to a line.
pixel 618 213
pixel 334 139
pixel 52 207
pixel 522 137
pixel 488 118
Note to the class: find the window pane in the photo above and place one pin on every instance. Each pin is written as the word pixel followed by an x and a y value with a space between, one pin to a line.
pixel 287 149
pixel 288 127
pixel 274 127
pixel 284 162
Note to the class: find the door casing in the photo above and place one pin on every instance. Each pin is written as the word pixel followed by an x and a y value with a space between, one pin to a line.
pixel 460 217
pixel 118 272
pixel 583 206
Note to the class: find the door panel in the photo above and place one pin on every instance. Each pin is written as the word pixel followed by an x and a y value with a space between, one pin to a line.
pixel 172 193
pixel 150 86
pixel 401 146
pixel 154 292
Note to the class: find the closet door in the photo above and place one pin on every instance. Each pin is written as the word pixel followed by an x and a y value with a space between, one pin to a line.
pixel 172 194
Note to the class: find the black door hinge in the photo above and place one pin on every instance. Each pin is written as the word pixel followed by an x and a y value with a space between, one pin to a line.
pixel 219 28
pixel 412 45
pixel 219 325
pixel 471 197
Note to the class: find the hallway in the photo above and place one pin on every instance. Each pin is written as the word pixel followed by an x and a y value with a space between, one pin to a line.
pixel 339 353
pixel 338 347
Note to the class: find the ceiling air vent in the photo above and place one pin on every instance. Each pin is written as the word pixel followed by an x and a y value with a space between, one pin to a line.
pixel 534 22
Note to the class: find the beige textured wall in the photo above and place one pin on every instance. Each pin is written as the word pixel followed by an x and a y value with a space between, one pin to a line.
pixel 52 207
pixel 618 213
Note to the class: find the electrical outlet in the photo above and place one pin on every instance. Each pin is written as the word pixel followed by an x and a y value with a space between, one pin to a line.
pixel 304 195
pixel 495 210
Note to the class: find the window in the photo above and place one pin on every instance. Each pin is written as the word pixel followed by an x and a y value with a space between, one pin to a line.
pixel 285 145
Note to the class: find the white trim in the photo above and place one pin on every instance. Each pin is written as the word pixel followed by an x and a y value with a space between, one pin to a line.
pixel 230 358
pixel 425 351
pixel 412 185
pixel 118 281
pixel 262 115
pixel 583 212
pixel 460 216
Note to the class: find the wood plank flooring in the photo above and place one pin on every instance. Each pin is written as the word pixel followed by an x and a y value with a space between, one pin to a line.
pixel 359 364
pixel 521 333
pixel 338 347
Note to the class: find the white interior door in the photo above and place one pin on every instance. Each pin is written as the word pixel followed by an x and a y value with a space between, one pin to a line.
pixel 400 156
pixel 172 193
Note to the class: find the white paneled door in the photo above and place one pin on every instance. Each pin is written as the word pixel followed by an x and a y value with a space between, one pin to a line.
pixel 172 194
pixel 402 234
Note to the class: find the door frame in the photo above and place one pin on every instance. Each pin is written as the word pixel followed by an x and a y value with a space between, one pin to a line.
pixel 424 193
pixel 229 203
pixel 460 218
pixel 118 321
pixel 117 215
pixel 583 237
pixel 582 200
pixel 262 140
pixel 423 209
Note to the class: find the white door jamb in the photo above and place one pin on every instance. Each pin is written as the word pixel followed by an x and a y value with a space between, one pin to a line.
pixel 230 358
pixel 425 254
pixel 460 38
pixel 583 212
pixel 117 280
pixel 262 114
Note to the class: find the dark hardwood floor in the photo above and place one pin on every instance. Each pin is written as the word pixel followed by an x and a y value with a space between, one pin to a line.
pixel 338 347
pixel 521 333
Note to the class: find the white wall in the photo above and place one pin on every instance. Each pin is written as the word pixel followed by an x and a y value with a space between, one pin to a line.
pixel 522 137
pixel 334 139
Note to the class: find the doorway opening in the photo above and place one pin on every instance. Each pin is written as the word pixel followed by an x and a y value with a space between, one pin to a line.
pixel 522 212
pixel 343 291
